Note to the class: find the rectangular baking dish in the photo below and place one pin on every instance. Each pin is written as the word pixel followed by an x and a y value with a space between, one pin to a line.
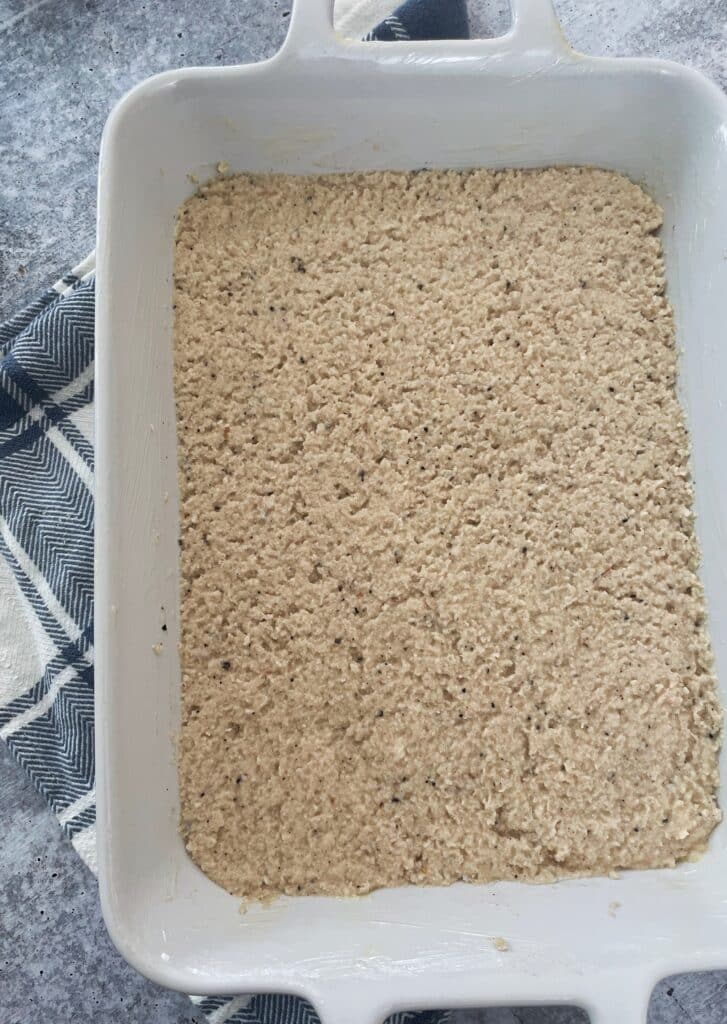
pixel 326 104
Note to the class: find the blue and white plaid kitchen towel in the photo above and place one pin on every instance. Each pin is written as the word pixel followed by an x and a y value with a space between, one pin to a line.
pixel 46 540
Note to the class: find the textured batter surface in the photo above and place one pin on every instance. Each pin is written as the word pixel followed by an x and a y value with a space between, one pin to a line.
pixel 440 611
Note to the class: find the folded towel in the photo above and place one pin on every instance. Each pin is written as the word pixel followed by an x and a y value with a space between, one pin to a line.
pixel 46 540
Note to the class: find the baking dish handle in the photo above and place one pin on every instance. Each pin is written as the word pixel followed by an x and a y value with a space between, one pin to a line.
pixel 350 1004
pixel 627 1003
pixel 535 30
pixel 359 1005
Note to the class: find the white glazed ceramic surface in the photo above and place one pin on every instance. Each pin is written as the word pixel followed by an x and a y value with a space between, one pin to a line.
pixel 324 104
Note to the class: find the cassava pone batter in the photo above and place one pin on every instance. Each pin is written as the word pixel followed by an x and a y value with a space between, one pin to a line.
pixel 441 616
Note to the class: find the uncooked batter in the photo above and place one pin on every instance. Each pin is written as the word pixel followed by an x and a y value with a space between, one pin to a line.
pixel 440 606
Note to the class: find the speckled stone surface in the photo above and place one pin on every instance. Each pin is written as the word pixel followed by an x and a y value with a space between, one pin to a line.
pixel 57 963
pixel 62 67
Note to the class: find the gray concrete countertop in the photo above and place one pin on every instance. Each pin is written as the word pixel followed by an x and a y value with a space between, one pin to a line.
pixel 63 66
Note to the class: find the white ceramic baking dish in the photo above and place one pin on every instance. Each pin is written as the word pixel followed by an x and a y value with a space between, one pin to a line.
pixel 325 104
